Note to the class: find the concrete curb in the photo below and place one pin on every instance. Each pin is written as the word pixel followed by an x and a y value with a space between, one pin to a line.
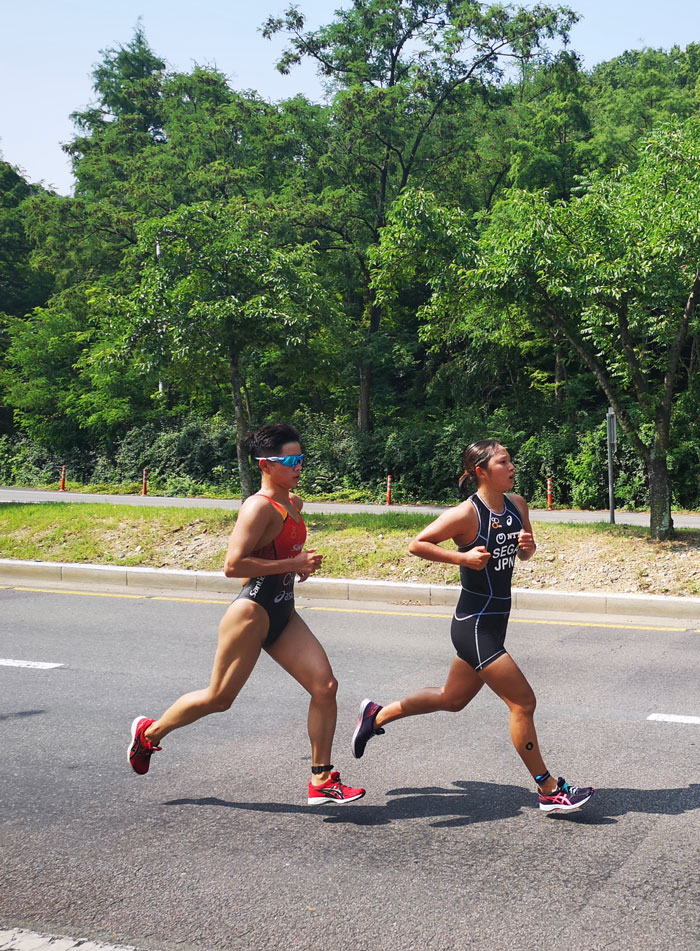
pixel 193 583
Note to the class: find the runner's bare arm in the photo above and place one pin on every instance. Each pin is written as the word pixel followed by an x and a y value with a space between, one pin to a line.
pixel 526 539
pixel 461 525
pixel 255 521
pixel 299 503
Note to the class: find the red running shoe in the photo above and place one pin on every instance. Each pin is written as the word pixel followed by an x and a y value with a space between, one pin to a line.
pixel 333 791
pixel 140 750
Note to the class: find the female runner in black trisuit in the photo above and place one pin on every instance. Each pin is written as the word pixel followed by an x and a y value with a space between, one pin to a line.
pixel 490 529
pixel 266 548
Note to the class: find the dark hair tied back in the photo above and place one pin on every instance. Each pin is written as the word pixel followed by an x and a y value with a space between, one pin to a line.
pixel 477 454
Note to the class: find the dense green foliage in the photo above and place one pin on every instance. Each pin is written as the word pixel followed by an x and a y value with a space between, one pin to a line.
pixel 470 236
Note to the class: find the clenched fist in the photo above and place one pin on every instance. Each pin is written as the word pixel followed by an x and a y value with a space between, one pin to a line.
pixel 476 558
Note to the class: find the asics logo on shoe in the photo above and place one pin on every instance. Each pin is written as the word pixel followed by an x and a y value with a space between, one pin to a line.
pixel 333 792
pixel 565 798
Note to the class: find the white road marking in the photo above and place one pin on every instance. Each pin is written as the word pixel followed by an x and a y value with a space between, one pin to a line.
pixel 6 662
pixel 17 939
pixel 673 718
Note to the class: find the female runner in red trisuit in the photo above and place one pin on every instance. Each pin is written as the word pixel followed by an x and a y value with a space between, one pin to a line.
pixel 266 549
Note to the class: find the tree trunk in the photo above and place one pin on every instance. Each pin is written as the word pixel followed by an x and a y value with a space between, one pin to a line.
pixel 363 421
pixel 248 410
pixel 661 524
pixel 659 482
pixel 243 467
pixel 559 378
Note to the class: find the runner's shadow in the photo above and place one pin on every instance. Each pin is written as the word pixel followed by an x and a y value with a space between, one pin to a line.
pixel 468 802
pixel 657 802
pixel 609 802
pixel 21 714
pixel 463 803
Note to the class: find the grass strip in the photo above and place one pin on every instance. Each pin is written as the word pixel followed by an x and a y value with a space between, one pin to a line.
pixel 573 556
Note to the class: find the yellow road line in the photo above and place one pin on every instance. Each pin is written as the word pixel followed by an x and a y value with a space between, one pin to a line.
pixel 311 607
pixel 373 611
pixel 513 620
pixel 85 594
pixel 190 600
pixel 624 627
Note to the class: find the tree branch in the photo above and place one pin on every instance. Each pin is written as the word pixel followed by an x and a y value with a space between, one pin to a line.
pixel 597 368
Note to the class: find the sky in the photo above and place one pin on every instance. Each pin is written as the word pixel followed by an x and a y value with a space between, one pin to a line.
pixel 49 47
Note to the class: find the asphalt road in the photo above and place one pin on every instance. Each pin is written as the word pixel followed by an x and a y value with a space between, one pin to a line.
pixel 542 515
pixel 216 849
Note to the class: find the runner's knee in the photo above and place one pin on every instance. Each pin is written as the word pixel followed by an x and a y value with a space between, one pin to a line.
pixel 452 703
pixel 325 690
pixel 219 702
pixel 525 707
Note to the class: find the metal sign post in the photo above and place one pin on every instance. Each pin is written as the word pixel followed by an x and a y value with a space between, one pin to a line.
pixel 612 446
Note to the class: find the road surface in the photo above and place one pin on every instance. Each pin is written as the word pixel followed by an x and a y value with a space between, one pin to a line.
pixel 216 849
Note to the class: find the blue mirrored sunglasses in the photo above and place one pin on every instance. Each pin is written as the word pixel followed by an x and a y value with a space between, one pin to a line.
pixel 290 461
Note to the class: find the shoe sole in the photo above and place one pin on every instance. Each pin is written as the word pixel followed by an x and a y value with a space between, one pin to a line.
pixel 320 800
pixel 134 724
pixel 360 718
pixel 550 810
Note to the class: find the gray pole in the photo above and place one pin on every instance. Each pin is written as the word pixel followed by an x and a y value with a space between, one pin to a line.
pixel 612 445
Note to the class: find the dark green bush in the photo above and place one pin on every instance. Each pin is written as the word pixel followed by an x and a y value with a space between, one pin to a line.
pixel 424 456
pixel 25 462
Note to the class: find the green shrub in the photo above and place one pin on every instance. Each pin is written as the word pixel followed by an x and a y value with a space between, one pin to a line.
pixel 587 469
pixel 25 462
pixel 542 457
pixel 196 456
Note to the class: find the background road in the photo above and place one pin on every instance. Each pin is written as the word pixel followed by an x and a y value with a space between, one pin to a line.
pixel 216 849
pixel 10 494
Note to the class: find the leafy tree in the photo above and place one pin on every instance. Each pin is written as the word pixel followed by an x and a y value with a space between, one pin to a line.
pixel 396 70
pixel 224 144
pixel 632 94
pixel 549 145
pixel 22 287
pixel 215 295
pixel 615 272
pixel 39 377
pixel 85 236
pixel 481 367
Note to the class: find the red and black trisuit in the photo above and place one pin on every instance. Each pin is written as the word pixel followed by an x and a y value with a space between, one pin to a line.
pixel 275 593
